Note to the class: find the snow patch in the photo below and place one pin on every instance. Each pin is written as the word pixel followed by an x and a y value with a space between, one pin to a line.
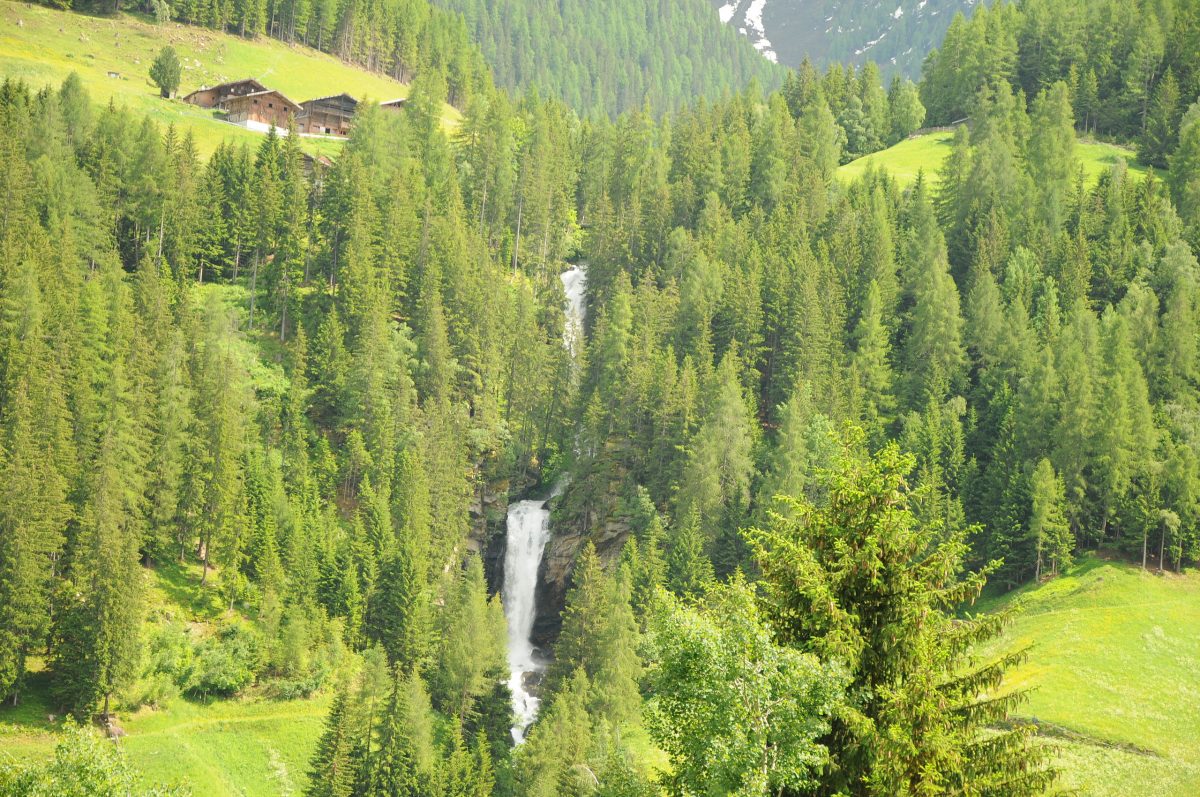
pixel 754 22
pixel 727 11
pixel 899 12
pixel 871 44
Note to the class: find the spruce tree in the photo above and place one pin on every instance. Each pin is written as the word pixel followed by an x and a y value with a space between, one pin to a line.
pixel 331 770
pixel 859 580
pixel 166 72
pixel 34 504
pixel 401 767
pixel 871 372
pixel 688 569
pixel 716 481
pixel 1183 178
pixel 1162 123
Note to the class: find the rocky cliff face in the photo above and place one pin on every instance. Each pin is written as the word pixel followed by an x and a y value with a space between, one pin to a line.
pixel 554 577
pixel 489 512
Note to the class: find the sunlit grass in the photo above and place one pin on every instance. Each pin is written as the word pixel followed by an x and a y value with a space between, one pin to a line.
pixel 1115 664
pixel 250 746
pixel 910 157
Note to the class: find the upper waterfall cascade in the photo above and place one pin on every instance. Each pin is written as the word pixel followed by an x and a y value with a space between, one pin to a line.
pixel 574 283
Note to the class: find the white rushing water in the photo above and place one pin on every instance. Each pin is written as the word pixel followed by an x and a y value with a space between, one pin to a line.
pixel 528 529
pixel 528 533
pixel 574 284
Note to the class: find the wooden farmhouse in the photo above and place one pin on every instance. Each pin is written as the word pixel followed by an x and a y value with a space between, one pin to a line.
pixel 251 104
pixel 260 110
pixel 327 116
pixel 213 96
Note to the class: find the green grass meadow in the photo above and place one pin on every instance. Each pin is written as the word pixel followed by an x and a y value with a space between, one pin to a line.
pixel 43 46
pixel 910 157
pixel 1114 669
pixel 252 746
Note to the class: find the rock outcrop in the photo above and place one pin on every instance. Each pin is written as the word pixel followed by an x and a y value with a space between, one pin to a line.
pixel 488 537
pixel 568 536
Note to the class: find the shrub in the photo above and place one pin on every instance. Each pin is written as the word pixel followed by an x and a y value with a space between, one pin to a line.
pixel 226 663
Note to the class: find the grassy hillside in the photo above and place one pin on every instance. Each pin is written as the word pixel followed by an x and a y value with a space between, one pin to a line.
pixel 252 745
pixel 1115 668
pixel 42 46
pixel 247 747
pixel 906 159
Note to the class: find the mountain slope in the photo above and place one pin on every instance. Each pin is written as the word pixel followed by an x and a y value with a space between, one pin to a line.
pixel 895 34
pixel 112 56
pixel 609 56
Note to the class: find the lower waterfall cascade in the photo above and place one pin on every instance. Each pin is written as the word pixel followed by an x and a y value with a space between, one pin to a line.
pixel 528 533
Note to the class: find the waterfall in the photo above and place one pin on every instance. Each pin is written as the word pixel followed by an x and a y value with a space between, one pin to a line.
pixel 574 283
pixel 528 529
pixel 528 533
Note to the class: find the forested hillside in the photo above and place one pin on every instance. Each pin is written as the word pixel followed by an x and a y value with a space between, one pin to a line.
pixel 1130 68
pixel 807 422
pixel 604 58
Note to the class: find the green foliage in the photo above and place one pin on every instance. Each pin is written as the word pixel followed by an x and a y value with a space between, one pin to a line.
pixel 84 765
pixel 291 393
pixel 471 643
pixel 1048 522
pixel 226 663
pixel 166 72
pixel 1184 176
pixel 736 713
pixel 599 640
pixel 861 582
pixel 332 769
pixel 689 571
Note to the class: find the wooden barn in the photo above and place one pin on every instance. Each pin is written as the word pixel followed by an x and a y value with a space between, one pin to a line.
pixel 260 110
pixel 213 96
pixel 394 105
pixel 327 116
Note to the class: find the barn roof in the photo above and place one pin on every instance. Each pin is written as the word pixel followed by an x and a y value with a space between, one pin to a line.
pixel 276 92
pixel 343 102
pixel 230 84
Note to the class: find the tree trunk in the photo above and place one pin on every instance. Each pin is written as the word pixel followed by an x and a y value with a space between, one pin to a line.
pixel 204 560
pixel 1162 546
pixel 517 243
pixel 253 288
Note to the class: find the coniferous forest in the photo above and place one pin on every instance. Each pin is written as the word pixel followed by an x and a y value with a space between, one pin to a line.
pixel 807 422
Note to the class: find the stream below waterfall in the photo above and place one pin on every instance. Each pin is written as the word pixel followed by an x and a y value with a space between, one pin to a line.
pixel 528 531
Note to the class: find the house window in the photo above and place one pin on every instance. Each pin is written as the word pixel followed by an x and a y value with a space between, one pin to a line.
pixel 256 102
